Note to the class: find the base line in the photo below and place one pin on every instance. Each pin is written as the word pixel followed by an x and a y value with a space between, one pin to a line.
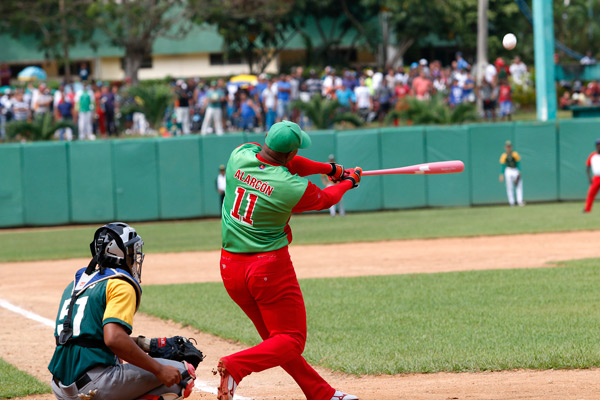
pixel 199 386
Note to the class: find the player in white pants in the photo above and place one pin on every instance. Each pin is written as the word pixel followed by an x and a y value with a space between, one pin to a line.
pixel 511 174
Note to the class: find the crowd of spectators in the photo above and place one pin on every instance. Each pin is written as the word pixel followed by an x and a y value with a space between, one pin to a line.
pixel 216 106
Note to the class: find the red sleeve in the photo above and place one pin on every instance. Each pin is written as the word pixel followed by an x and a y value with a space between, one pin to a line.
pixel 589 160
pixel 315 199
pixel 304 167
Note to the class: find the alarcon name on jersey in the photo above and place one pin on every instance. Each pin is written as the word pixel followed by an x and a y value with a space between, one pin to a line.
pixel 251 181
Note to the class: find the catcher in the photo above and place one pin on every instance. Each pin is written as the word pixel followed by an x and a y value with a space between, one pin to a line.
pixel 93 325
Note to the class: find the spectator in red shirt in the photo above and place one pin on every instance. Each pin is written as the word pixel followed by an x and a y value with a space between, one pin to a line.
pixel 505 99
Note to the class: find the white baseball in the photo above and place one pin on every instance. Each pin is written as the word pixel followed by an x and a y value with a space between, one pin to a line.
pixel 509 41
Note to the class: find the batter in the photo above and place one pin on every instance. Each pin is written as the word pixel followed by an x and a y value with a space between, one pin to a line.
pixel 265 185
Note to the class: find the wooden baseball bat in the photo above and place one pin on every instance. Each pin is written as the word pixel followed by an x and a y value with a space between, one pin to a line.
pixel 441 167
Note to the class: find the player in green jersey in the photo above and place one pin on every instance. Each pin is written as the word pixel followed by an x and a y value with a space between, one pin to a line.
pixel 93 325
pixel 264 186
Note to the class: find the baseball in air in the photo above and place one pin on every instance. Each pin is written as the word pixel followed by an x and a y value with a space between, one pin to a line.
pixel 509 41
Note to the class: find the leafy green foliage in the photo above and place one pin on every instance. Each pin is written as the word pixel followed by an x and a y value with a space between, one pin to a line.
pixel 433 111
pixel 256 29
pixel 463 321
pixel 135 25
pixel 324 113
pixel 151 100
pixel 41 128
pixel 16 383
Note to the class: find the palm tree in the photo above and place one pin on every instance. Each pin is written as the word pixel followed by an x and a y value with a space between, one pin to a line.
pixel 324 113
pixel 434 111
pixel 150 100
pixel 41 128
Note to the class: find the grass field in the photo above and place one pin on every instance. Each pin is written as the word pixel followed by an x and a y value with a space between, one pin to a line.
pixel 463 321
pixel 193 235
pixel 15 383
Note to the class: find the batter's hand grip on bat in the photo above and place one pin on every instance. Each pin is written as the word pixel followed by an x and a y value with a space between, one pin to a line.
pixel 432 168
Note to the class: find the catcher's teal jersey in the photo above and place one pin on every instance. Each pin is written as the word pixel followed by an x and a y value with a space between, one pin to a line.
pixel 259 199
pixel 90 313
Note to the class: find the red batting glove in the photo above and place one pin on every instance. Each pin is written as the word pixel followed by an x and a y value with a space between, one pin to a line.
pixel 353 175
pixel 337 173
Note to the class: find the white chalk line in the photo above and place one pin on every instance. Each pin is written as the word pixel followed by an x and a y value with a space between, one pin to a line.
pixel 199 386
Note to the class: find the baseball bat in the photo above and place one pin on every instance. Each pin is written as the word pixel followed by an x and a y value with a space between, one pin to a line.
pixel 441 167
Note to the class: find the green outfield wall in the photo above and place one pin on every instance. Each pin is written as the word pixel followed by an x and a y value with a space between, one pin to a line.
pixel 55 183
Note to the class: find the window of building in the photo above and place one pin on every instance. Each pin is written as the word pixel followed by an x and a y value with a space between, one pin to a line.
pixel 224 59
pixel 146 63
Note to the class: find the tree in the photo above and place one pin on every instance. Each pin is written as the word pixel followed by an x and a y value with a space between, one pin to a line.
pixel 256 29
pixel 151 100
pixel 135 24
pixel 333 20
pixel 56 25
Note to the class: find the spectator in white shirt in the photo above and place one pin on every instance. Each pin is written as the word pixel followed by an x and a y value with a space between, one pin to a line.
pixel 518 71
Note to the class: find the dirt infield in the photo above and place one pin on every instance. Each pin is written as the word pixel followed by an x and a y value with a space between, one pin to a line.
pixel 36 286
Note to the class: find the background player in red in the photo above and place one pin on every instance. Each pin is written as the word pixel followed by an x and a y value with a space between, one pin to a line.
pixel 265 185
pixel 593 166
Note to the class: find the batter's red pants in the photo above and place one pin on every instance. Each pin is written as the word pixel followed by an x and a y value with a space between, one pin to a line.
pixel 265 286
pixel 592 192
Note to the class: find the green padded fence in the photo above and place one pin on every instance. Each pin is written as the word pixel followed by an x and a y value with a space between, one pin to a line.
pixel 179 177
pixel 11 186
pixel 168 178
pixel 361 148
pixel 536 143
pixel 486 144
pixel 401 147
pixel 91 182
pixel 135 174
pixel 46 195
pixel 575 143
pixel 442 144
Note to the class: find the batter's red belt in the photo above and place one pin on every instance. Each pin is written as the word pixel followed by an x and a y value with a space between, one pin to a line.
pixel 247 256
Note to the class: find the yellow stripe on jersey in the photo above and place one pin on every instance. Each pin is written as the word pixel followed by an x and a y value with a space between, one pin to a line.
pixel 120 302
pixel 514 154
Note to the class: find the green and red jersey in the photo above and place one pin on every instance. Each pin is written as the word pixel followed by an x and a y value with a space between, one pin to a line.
pixel 260 198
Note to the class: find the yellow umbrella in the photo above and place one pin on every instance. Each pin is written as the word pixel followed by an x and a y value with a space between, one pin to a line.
pixel 244 78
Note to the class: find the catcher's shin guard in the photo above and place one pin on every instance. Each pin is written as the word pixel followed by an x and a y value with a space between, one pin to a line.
pixel 227 385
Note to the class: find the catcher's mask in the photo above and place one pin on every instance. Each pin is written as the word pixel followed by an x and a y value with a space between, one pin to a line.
pixel 117 245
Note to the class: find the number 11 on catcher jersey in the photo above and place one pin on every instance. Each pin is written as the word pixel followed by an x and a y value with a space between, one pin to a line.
pixel 251 199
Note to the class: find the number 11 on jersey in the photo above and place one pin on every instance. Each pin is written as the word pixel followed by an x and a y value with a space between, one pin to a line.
pixel 250 204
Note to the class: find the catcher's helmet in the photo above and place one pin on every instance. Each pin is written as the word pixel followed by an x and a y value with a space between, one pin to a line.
pixel 117 245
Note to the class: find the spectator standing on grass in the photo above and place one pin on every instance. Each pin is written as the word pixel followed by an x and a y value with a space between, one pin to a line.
pixel 489 96
pixel 505 99
pixel 107 99
pixel 421 86
pixel 248 113
pixel 213 114
pixel 19 107
pixel 284 90
pixel 84 105
pixel 269 97
pixel 64 112
pixel 364 102
pixel 182 109
pixel 455 95
pixel 490 74
pixel 345 97
pixel 314 84
pixel 469 89
pixel 43 101
pixel 518 71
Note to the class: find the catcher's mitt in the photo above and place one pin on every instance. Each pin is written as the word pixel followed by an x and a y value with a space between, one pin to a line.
pixel 176 348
